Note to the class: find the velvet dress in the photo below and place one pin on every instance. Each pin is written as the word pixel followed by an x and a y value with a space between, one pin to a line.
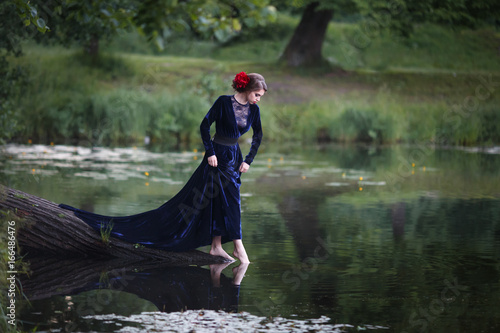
pixel 209 204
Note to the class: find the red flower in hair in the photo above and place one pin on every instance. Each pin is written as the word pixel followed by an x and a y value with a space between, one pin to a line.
pixel 241 80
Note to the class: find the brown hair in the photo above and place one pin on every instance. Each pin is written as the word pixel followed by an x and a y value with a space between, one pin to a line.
pixel 257 82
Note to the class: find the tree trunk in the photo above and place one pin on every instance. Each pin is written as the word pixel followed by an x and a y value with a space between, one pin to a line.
pixel 93 46
pixel 304 49
pixel 43 228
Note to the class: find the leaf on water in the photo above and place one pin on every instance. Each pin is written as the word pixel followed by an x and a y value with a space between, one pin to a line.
pixel 205 319
pixel 337 184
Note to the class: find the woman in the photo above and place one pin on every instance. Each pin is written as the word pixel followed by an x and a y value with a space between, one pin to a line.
pixel 207 209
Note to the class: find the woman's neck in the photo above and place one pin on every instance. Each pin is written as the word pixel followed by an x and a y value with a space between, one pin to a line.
pixel 241 98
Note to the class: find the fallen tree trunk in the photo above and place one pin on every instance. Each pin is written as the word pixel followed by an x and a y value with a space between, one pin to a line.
pixel 43 228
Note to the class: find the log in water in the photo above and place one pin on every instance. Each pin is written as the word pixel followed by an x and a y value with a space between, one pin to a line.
pixel 47 229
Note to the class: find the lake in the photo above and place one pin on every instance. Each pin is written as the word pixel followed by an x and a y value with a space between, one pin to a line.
pixel 340 238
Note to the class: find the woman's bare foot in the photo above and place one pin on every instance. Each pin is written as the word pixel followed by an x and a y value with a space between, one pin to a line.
pixel 239 251
pixel 219 251
pixel 239 273
pixel 241 256
pixel 215 272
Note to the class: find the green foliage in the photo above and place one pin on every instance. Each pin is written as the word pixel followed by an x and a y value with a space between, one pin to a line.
pixel 362 126
pixel 179 115
pixel 87 22
pixel 159 20
pixel 29 14
pixel 20 20
pixel 430 47
pixel 380 16
pixel 62 109
pixel 482 126
pixel 118 117
pixel 10 88
pixel 399 93
pixel 384 116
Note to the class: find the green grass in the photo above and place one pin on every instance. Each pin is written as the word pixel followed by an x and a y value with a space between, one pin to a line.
pixel 429 48
pixel 394 91
pixel 106 232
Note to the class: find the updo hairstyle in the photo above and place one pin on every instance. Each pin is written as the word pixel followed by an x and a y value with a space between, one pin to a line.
pixel 257 82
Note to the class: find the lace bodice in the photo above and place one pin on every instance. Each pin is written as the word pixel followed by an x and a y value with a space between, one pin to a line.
pixel 240 112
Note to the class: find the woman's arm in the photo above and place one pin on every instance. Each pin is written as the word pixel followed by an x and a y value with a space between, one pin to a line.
pixel 256 139
pixel 212 115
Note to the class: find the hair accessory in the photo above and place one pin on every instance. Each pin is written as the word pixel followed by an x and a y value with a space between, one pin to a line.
pixel 241 80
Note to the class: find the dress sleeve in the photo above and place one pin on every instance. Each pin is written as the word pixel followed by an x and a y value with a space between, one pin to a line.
pixel 210 117
pixel 256 138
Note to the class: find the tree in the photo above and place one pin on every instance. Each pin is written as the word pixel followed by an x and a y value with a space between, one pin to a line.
pixel 19 20
pixel 397 16
pixel 86 22
pixel 305 45
pixel 159 19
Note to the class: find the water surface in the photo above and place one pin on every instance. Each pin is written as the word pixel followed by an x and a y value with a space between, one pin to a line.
pixel 399 239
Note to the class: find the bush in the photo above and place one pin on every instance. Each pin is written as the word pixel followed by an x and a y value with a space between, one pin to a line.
pixel 362 126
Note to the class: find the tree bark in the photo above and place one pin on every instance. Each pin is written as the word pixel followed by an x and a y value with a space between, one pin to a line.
pixel 43 228
pixel 93 46
pixel 304 48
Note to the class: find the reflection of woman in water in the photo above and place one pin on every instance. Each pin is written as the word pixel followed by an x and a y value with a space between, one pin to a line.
pixel 171 289
pixel 207 209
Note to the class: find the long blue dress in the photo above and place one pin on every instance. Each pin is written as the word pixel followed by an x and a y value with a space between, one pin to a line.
pixel 208 205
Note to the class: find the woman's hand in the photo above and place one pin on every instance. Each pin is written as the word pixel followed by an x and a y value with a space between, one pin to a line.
pixel 212 161
pixel 244 167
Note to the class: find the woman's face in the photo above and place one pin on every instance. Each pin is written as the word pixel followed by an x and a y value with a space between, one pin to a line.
pixel 254 96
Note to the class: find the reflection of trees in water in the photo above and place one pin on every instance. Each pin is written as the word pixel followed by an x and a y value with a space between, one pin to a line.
pixel 299 209
pixel 398 215
pixel 300 212
pixel 367 158
pixel 433 239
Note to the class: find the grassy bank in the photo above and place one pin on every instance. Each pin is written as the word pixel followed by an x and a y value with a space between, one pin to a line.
pixel 439 85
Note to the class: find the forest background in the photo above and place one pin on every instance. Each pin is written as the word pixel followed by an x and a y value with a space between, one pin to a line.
pixel 114 73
